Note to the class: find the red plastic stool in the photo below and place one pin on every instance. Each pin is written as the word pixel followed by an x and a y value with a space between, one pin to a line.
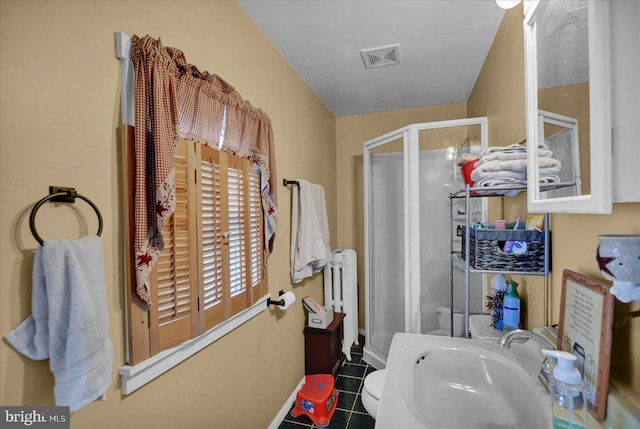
pixel 317 399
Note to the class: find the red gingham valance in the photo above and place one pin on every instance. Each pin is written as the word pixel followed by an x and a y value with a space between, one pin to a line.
pixel 174 100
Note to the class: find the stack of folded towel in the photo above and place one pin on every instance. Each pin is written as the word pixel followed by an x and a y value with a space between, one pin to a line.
pixel 503 166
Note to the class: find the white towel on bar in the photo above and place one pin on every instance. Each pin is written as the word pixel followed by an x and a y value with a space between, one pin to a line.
pixel 69 322
pixel 310 249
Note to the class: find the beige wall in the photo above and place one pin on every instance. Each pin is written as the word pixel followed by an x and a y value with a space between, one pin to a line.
pixel 60 111
pixel 351 133
pixel 499 94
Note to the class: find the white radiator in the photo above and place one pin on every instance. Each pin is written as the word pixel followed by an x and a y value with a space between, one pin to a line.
pixel 341 293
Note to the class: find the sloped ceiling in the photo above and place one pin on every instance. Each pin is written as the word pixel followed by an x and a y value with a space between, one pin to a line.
pixel 443 45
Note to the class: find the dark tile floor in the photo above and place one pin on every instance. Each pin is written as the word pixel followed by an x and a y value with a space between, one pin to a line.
pixel 349 413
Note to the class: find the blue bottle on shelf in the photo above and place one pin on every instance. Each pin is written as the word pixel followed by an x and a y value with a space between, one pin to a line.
pixel 511 307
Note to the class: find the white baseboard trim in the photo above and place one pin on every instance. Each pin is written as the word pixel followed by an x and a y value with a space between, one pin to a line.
pixel 286 407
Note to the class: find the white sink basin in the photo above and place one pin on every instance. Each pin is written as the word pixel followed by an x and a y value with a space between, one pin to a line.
pixel 442 382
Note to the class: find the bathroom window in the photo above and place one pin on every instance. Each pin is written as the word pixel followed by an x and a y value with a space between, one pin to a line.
pixel 199 202
pixel 212 266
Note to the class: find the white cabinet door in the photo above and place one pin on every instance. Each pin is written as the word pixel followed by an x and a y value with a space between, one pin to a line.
pixel 625 100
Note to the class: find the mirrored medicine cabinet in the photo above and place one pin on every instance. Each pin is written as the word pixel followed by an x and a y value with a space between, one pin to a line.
pixel 567 79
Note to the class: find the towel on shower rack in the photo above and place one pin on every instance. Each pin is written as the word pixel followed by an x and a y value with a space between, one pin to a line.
pixel 310 249
pixel 549 166
pixel 69 322
pixel 514 151
pixel 546 165
pixel 503 165
pixel 548 179
pixel 479 174
pixel 502 182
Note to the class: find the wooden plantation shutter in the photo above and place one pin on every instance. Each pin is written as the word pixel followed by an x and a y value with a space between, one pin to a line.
pixel 258 285
pixel 211 194
pixel 230 230
pixel 238 232
pixel 212 265
pixel 173 280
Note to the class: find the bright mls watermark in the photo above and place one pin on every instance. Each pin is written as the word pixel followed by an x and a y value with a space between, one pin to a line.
pixel 34 417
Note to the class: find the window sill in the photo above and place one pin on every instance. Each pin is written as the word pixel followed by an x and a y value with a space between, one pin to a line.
pixel 136 376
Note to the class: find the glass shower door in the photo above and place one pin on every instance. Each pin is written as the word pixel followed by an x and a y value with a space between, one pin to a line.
pixel 384 190
pixel 407 180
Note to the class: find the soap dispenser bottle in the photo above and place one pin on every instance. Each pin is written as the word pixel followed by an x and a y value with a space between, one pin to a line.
pixel 568 402
pixel 511 307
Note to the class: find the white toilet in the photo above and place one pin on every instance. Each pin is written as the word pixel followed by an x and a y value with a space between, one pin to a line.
pixel 444 322
pixel 372 391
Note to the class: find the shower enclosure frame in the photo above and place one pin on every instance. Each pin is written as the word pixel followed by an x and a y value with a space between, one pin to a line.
pixel 411 213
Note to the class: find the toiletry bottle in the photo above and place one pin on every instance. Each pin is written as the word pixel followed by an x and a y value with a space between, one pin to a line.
pixel 498 283
pixel 569 406
pixel 498 286
pixel 511 307
pixel 508 246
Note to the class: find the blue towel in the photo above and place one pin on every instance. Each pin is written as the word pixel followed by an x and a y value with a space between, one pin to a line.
pixel 69 322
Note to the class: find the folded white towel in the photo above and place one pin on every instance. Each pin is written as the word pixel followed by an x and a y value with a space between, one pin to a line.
pixel 510 164
pixel 548 166
pixel 548 179
pixel 310 249
pixel 514 148
pixel 514 151
pixel 506 181
pixel 549 162
pixel 502 156
pixel 69 323
pixel 480 174
pixel 503 181
pixel 544 154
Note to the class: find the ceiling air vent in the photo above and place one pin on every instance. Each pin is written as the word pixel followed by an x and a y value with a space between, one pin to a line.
pixel 380 57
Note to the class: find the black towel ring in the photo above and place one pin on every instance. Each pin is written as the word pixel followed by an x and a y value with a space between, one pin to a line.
pixel 61 195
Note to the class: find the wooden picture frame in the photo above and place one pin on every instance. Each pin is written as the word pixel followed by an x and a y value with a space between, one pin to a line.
pixel 586 316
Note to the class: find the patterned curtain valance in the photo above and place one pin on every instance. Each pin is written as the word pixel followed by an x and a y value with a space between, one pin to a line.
pixel 173 99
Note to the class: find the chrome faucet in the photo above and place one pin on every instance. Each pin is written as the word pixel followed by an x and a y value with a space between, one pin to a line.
pixel 522 335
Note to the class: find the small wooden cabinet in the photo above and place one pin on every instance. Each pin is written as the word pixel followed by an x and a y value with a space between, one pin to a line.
pixel 323 347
